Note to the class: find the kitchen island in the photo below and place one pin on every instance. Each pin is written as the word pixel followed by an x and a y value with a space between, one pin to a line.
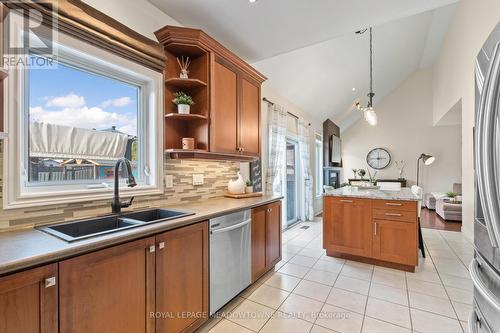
pixel 372 226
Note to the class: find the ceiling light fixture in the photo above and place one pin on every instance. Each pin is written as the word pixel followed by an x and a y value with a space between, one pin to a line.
pixel 353 89
pixel 252 1
pixel 368 111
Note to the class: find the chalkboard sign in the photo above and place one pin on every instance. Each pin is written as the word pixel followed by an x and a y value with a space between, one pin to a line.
pixel 256 175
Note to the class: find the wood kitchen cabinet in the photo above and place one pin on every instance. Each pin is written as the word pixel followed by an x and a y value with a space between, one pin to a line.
pixel 182 278
pixel 111 290
pixel 395 241
pixel 266 238
pixel 224 114
pixel 28 301
pixel 371 230
pixel 347 225
pixel 249 117
pixel 235 116
pixel 232 122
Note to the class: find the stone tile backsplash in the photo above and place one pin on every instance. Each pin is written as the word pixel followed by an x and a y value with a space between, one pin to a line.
pixel 216 175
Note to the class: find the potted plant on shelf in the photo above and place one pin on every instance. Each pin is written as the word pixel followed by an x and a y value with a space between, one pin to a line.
pixel 183 102
pixel 248 187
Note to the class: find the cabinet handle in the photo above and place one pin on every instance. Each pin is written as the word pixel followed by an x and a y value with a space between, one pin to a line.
pixel 50 282
pixel 346 201
pixel 242 149
pixel 269 210
pixel 152 248
pixel 392 214
pixel 161 245
pixel 375 228
pixel 393 204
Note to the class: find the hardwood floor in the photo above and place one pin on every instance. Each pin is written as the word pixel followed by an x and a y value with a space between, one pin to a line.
pixel 429 219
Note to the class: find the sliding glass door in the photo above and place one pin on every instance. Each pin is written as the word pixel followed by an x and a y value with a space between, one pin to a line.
pixel 291 182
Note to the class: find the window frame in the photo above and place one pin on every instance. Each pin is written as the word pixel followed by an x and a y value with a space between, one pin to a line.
pixel 318 145
pixel 86 57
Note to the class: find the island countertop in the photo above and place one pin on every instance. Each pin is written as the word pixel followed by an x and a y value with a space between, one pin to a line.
pixel 405 194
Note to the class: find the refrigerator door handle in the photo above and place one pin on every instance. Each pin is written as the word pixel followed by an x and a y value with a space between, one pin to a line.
pixel 479 285
pixel 486 148
pixel 476 318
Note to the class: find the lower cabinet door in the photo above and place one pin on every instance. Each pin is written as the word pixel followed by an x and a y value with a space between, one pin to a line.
pixel 347 224
pixel 258 242
pixel 395 242
pixel 28 301
pixel 273 234
pixel 182 279
pixel 111 290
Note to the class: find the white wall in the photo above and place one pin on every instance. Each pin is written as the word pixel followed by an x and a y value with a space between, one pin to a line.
pixel 405 128
pixel 139 15
pixel 454 81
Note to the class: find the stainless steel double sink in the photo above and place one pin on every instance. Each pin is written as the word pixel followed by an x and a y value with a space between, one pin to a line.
pixel 83 229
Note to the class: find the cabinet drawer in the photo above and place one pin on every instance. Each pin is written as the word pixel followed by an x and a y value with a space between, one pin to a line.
pixel 395 205
pixel 394 215
pixel 347 200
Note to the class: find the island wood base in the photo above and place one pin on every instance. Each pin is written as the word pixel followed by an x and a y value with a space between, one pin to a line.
pixel 375 231
pixel 371 261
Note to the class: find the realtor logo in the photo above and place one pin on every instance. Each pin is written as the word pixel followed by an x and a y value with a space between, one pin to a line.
pixel 30 31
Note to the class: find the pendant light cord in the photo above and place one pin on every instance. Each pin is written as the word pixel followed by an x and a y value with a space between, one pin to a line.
pixel 371 68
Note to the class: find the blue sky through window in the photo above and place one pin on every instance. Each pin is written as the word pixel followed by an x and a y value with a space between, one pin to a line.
pixel 64 95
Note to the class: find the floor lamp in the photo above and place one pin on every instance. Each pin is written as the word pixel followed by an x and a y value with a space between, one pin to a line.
pixel 427 159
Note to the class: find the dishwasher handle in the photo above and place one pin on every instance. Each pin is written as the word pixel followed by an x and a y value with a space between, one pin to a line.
pixel 232 227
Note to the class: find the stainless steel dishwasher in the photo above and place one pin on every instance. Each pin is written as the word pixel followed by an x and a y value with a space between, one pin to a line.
pixel 230 257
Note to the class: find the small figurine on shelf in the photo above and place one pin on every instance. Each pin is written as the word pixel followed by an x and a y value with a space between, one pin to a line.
pixel 183 102
pixel 355 171
pixel 362 173
pixel 184 64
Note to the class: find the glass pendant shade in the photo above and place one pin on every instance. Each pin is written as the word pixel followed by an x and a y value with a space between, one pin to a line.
pixel 370 116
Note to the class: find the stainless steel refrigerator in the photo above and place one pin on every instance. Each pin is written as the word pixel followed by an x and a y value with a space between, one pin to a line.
pixel 485 268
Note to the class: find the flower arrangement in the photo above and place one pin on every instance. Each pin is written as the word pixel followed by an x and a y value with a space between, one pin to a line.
pixel 372 178
pixel 400 165
pixel 180 98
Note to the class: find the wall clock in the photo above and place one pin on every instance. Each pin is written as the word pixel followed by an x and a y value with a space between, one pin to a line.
pixel 378 158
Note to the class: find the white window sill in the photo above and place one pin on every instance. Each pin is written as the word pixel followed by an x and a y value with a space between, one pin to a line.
pixel 41 199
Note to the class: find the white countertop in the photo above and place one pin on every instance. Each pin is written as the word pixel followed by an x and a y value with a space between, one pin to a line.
pixel 405 194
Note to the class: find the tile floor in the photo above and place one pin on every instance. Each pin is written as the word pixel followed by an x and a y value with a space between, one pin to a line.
pixel 310 292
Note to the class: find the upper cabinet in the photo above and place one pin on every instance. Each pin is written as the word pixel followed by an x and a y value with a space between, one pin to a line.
pixel 224 120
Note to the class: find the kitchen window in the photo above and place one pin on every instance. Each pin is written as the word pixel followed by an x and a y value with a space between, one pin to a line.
pixel 77 115
pixel 319 165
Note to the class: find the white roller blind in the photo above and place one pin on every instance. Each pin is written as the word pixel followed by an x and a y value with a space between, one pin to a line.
pixel 57 141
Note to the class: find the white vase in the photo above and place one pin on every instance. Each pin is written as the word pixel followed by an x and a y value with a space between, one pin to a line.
pixel 183 108
pixel 236 186
pixel 249 189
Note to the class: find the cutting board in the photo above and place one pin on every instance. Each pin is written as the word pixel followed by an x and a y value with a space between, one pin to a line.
pixel 243 196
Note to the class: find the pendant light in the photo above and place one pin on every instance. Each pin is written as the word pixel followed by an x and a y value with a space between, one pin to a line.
pixel 368 111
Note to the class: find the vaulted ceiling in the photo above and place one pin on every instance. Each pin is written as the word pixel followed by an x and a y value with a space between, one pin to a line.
pixel 309 51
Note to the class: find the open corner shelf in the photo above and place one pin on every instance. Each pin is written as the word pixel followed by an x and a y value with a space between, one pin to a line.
pixel 190 116
pixel 184 83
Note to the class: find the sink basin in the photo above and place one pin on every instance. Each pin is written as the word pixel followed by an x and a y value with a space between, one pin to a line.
pixel 154 215
pixel 73 231
pixel 78 230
